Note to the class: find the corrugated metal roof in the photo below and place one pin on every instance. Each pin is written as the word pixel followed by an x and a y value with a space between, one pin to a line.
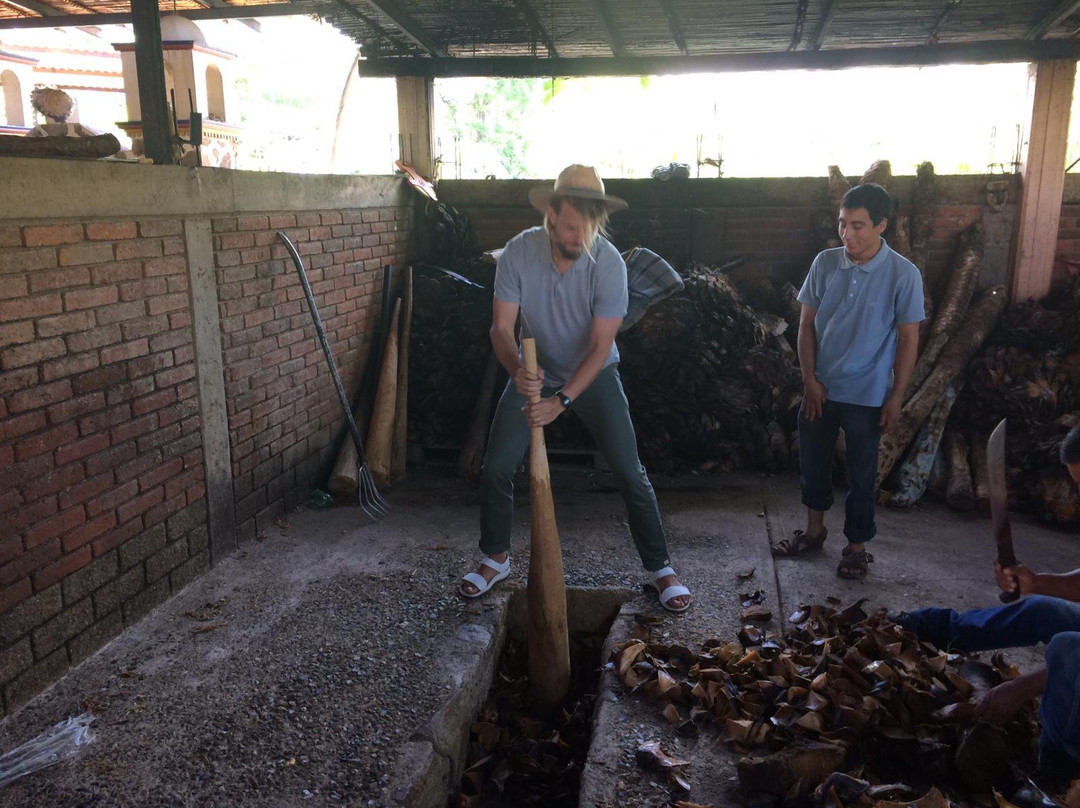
pixel 454 37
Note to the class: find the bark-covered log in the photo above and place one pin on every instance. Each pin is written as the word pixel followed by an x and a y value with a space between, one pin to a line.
pixel 954 305
pixel 879 173
pixel 960 491
pixel 980 473
pixel 980 321
pixel 913 474
pixel 90 148
pixel 901 240
pixel 838 186
pixel 921 232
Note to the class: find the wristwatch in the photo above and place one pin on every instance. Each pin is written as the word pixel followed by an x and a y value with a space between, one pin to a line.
pixel 565 399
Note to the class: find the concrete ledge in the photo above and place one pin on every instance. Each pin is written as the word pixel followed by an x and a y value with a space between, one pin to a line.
pixel 57 189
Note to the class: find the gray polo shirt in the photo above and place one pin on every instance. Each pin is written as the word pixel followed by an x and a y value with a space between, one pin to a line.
pixel 559 309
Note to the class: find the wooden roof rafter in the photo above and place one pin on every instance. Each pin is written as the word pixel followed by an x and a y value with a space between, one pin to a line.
pixel 225 12
pixel 1053 19
pixel 826 21
pixel 677 33
pixel 950 7
pixel 611 31
pixel 527 11
pixel 408 26
pixel 800 24
pixel 34 6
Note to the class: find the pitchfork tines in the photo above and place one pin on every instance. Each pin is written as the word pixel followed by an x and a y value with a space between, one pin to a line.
pixel 371 502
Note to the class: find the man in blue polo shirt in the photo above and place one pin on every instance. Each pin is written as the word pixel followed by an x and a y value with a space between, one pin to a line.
pixel 569 284
pixel 858 341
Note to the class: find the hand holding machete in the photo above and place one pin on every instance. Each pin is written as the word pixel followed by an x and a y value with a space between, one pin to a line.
pixel 999 504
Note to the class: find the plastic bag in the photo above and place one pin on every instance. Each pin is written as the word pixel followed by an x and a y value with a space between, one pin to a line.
pixel 50 747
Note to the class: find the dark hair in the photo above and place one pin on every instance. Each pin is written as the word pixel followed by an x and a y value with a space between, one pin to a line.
pixel 873 197
pixel 1070 447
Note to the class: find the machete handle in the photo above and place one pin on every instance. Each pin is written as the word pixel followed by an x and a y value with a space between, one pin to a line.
pixel 1009 597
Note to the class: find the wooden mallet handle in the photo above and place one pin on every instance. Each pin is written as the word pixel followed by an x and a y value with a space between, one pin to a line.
pixel 549 646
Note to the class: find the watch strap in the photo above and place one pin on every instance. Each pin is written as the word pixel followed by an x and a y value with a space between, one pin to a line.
pixel 565 399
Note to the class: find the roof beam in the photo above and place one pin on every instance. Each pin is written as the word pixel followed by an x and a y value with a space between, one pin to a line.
pixel 675 26
pixel 800 23
pixel 826 21
pixel 35 7
pixel 611 32
pixel 996 52
pixel 222 13
pixel 1053 19
pixel 403 20
pixel 529 13
pixel 950 7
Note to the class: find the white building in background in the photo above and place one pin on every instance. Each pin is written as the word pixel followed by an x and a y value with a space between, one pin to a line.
pixel 198 78
pixel 73 60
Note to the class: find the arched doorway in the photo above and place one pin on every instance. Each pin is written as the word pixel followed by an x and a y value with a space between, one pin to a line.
pixel 215 94
pixel 13 102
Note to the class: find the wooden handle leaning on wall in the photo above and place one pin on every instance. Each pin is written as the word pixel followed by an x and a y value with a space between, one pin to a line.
pixel 380 442
pixel 401 421
pixel 549 646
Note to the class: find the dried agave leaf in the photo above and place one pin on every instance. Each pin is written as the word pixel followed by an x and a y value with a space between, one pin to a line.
pixel 932 799
pixel 664 682
pixel 799 616
pixel 679 780
pixel 651 754
pixel 751 636
pixel 746 600
pixel 813 722
pixel 960 712
pixel 628 656
pixel 756 613
pixel 685 804
pixel 962 685
pixel 671 713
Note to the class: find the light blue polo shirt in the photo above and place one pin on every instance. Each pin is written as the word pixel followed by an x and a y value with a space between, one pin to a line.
pixel 559 309
pixel 859 309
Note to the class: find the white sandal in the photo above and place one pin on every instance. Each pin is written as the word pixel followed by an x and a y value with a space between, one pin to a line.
pixel 480 582
pixel 671 592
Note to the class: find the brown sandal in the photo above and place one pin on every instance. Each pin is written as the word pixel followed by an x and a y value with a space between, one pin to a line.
pixel 799 544
pixel 852 566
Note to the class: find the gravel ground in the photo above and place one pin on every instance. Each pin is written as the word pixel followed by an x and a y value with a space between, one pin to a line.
pixel 294 671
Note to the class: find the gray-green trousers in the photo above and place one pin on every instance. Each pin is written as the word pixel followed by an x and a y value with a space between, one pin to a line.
pixel 604 410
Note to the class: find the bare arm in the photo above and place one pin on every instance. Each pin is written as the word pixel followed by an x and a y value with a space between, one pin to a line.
pixel 1004 701
pixel 813 390
pixel 504 343
pixel 1065 585
pixel 601 336
pixel 907 351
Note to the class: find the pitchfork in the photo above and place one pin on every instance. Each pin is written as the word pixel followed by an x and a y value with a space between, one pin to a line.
pixel 371 502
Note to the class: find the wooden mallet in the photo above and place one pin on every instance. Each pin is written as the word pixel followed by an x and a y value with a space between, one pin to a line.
pixel 549 646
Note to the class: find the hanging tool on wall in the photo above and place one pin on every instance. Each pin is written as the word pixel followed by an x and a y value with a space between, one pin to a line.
pixel 371 502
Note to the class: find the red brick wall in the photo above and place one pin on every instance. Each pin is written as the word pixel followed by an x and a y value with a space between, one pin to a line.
pixel 102 503
pixel 283 409
pixel 103 508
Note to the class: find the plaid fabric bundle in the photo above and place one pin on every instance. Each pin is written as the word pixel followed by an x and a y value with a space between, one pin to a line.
pixel 649 279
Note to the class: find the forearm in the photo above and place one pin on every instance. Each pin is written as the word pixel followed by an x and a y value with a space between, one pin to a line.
pixel 1065 585
pixel 587 370
pixel 1030 685
pixel 807 354
pixel 907 351
pixel 504 343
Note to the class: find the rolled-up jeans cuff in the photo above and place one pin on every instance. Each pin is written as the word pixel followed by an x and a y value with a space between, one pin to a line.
pixel 818 504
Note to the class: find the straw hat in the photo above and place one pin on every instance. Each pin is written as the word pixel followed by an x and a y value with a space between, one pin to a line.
pixel 581 182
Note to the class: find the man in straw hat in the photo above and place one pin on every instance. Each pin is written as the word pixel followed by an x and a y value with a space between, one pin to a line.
pixel 569 283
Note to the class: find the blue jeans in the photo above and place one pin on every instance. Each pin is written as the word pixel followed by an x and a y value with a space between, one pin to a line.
pixel 604 409
pixel 817 447
pixel 1032 620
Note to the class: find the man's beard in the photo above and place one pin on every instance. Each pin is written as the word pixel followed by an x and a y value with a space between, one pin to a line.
pixel 566 252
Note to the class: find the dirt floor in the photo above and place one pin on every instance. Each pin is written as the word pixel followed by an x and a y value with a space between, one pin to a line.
pixel 311 666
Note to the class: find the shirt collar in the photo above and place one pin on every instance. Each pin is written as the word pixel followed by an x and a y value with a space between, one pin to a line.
pixel 873 263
